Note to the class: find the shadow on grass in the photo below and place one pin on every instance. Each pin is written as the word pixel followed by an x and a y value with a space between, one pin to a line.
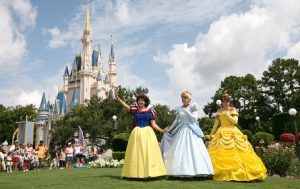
pixel 184 179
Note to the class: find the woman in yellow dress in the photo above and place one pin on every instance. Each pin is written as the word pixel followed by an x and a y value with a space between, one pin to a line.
pixel 143 158
pixel 232 155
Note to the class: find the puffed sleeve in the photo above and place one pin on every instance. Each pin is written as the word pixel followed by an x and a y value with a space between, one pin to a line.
pixel 133 109
pixel 234 112
pixel 153 114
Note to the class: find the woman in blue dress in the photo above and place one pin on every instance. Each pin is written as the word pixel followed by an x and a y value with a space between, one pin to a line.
pixel 183 150
pixel 143 158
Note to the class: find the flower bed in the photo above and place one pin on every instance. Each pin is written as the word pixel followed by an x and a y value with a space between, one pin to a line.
pixel 287 137
pixel 100 163
pixel 277 158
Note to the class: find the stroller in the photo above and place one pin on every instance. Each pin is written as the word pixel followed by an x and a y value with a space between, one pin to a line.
pixel 80 161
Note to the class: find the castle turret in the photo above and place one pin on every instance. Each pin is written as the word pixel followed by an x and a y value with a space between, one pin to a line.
pixel 43 121
pixel 66 79
pixel 86 41
pixel 112 67
pixel 86 71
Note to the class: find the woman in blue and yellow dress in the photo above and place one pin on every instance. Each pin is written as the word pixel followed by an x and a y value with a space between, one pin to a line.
pixel 232 155
pixel 143 158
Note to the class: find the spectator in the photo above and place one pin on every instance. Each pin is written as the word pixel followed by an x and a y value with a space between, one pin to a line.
pixel 35 160
pixel 42 152
pixel 9 162
pixel 62 159
pixel 69 154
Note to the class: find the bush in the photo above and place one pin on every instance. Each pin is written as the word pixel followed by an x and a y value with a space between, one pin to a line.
pixel 277 158
pixel 99 163
pixel 287 137
pixel 119 143
pixel 294 169
pixel 282 123
pixel 248 133
pixel 118 155
pixel 267 138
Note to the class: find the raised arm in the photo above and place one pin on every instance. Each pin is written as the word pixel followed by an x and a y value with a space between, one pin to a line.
pixel 120 100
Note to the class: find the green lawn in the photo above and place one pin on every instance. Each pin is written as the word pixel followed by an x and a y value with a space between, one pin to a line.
pixel 110 178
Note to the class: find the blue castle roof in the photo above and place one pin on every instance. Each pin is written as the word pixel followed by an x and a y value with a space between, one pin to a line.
pixel 62 103
pixel 99 77
pixel 106 81
pixel 95 56
pixel 77 62
pixel 66 74
pixel 74 98
pixel 43 105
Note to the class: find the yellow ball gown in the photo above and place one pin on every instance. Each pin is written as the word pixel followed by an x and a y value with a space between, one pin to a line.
pixel 143 158
pixel 232 155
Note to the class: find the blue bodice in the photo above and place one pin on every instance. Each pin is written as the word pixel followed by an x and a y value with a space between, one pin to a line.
pixel 142 119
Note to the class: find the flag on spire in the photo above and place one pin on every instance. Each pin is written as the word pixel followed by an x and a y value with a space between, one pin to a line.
pixel 81 140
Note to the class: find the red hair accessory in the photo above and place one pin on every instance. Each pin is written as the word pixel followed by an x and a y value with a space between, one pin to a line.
pixel 141 95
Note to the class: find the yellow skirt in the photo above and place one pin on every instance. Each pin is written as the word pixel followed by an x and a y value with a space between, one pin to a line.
pixel 143 158
pixel 233 157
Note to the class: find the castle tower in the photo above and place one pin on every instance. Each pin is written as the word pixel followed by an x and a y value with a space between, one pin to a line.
pixel 112 74
pixel 87 77
pixel 43 122
pixel 66 79
pixel 85 72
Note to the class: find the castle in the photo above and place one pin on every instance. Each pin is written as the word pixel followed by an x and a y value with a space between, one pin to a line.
pixel 85 79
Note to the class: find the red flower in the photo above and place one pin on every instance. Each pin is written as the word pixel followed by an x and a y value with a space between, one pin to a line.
pixel 287 137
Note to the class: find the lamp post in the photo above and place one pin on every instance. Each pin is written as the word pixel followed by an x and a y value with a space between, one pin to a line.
pixel 257 118
pixel 293 113
pixel 114 117
pixel 219 102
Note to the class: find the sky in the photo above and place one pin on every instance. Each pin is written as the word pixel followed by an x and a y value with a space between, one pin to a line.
pixel 165 46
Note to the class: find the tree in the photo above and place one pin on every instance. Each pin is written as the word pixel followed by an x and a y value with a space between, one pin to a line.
pixel 10 116
pixel 206 124
pixel 165 117
pixel 95 119
pixel 281 82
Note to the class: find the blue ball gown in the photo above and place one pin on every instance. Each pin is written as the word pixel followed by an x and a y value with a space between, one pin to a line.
pixel 183 150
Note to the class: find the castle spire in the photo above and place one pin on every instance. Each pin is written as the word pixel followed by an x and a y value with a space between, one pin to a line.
pixel 112 54
pixel 43 105
pixel 86 41
pixel 112 66
pixel 87 27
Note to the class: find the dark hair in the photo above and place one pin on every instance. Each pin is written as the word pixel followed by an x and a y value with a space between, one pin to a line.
pixel 144 97
pixel 227 97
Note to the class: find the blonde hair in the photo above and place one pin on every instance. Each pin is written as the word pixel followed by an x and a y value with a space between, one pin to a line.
pixel 186 94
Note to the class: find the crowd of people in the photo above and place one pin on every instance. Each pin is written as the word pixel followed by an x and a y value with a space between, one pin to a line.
pixel 24 157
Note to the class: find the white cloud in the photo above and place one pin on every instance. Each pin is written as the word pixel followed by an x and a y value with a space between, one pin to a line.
pixel 127 17
pixel 16 17
pixel 56 41
pixel 25 98
pixel 294 51
pixel 122 12
pixel 236 44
